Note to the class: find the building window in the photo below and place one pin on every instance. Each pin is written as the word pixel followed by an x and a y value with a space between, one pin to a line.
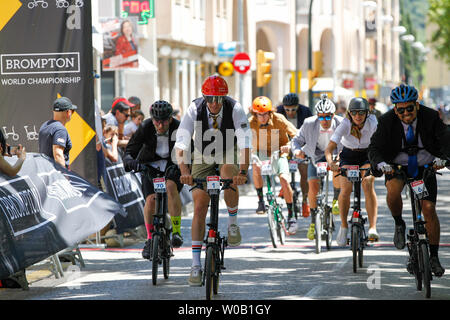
pixel 187 3
pixel 178 2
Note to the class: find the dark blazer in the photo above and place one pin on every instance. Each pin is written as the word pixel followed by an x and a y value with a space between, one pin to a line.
pixel 142 144
pixel 386 142
pixel 303 112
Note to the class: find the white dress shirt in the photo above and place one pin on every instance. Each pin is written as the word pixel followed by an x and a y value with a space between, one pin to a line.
pixel 185 131
pixel 342 133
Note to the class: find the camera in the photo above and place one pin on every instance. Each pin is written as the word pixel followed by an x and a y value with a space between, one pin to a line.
pixel 11 150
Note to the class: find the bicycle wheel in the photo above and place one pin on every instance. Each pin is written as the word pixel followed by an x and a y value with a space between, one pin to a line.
pixel 166 260
pixel 425 268
pixel 155 258
pixel 209 272
pixel 417 273
pixel 330 227
pixel 281 228
pixel 355 247
pixel 318 232
pixel 272 226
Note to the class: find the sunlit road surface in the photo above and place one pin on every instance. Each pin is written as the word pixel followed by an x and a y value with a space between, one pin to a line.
pixel 255 270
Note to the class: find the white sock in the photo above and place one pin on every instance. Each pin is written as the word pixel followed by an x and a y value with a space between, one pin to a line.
pixel 196 251
pixel 232 215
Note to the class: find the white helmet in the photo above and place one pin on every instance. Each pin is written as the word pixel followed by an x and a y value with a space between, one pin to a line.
pixel 325 105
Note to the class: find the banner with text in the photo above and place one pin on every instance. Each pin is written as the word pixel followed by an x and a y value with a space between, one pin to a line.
pixel 46 209
pixel 126 188
pixel 46 52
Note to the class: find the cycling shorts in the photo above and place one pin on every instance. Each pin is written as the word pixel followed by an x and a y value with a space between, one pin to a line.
pixel 172 173
pixel 430 183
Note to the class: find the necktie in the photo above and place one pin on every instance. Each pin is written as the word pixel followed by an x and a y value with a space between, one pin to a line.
pixel 215 123
pixel 413 168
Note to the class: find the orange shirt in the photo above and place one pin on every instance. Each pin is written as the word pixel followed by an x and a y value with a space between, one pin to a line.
pixel 265 138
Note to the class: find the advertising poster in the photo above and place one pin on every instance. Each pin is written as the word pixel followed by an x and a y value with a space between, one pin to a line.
pixel 46 53
pixel 120 43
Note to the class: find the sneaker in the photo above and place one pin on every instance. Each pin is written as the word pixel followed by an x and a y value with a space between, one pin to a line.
pixel 292 226
pixel 335 207
pixel 261 208
pixel 436 267
pixel 177 240
pixel 305 210
pixel 373 235
pixel 399 236
pixel 234 235
pixel 311 232
pixel 195 278
pixel 341 238
pixel 146 252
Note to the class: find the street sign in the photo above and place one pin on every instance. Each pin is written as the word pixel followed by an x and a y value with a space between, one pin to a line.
pixel 241 62
pixel 226 49
pixel 225 69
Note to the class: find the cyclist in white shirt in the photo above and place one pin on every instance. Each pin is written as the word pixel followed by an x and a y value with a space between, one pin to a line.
pixel 311 141
pixel 354 134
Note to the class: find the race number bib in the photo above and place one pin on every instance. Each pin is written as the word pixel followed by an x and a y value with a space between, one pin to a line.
pixel 213 183
pixel 353 173
pixel 322 169
pixel 293 166
pixel 159 184
pixel 266 168
pixel 419 189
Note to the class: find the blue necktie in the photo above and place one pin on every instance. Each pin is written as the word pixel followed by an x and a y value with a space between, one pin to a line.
pixel 413 167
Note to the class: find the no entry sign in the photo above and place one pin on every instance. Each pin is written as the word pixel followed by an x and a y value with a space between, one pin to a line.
pixel 241 62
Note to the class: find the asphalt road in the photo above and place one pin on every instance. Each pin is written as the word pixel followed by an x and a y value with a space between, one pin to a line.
pixel 255 270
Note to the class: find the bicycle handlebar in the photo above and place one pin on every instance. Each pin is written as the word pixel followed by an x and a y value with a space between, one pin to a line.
pixel 226 184
pixel 343 170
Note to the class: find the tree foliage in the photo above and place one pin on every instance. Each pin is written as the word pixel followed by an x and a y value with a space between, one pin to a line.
pixel 439 14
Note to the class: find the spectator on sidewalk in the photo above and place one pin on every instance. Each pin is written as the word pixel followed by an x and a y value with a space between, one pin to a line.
pixel 137 117
pixel 54 140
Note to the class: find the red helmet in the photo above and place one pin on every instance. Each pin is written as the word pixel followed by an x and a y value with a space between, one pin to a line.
pixel 214 86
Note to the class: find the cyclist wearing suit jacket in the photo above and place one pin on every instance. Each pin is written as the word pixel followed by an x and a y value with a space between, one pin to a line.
pixel 410 135
pixel 296 113
pixel 151 144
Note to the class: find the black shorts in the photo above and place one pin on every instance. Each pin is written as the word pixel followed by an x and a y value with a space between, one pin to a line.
pixel 430 183
pixel 172 173
pixel 356 158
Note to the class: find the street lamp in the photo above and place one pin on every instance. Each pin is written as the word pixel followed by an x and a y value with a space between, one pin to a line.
pixel 400 29
pixel 408 38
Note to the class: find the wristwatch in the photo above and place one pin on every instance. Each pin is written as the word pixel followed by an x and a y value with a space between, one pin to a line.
pixel 243 172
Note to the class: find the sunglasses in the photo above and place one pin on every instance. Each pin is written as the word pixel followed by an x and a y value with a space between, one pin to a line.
pixel 360 112
pixel 409 108
pixel 212 99
pixel 159 122
pixel 327 118
pixel 126 114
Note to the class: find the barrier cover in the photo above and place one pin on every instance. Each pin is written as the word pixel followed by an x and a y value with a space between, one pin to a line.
pixel 46 209
pixel 126 188
pixel 46 52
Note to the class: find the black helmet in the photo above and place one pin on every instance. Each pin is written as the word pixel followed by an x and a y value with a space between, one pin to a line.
pixel 291 99
pixel 358 104
pixel 161 110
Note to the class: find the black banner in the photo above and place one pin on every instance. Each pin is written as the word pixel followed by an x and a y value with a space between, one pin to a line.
pixel 46 52
pixel 46 209
pixel 126 188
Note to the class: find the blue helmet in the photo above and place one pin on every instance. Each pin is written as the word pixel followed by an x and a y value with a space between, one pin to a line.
pixel 404 93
